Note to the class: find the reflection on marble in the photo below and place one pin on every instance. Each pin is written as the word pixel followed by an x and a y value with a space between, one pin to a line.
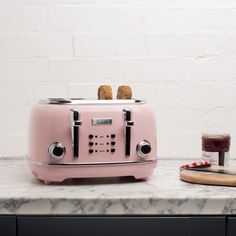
pixel 163 193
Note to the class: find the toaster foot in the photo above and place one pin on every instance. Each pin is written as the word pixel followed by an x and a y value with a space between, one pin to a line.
pixel 141 177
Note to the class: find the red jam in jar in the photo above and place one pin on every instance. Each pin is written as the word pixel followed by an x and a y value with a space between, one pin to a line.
pixel 215 148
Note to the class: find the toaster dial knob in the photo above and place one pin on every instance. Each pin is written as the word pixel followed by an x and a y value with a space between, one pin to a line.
pixel 144 148
pixel 56 150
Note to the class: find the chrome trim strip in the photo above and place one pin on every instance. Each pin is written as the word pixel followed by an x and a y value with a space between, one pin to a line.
pixel 128 123
pixel 81 101
pixel 91 164
pixel 75 124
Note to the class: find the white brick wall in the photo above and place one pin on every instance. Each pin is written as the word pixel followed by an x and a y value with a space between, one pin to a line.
pixel 178 55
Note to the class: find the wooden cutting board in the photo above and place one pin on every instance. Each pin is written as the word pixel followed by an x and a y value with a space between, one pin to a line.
pixel 209 178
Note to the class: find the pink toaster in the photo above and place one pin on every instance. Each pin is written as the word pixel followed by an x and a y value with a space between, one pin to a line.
pixel 79 138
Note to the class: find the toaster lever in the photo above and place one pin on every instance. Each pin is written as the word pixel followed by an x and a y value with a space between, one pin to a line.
pixel 127 131
pixel 75 123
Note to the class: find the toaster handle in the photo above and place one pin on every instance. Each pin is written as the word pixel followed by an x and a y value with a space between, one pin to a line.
pixel 128 124
pixel 75 123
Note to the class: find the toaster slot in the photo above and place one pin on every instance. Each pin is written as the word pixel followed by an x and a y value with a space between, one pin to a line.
pixel 75 123
pixel 128 123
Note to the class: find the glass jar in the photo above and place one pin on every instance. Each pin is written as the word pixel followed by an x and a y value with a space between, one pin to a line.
pixel 215 148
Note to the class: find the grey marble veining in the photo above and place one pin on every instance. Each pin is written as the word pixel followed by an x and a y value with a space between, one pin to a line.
pixel 163 193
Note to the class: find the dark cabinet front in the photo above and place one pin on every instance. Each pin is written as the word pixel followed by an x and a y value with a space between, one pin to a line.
pixel 117 225
pixel 231 226
pixel 8 226
pixel 34 226
pixel 207 226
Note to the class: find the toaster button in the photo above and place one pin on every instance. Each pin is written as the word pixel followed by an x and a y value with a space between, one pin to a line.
pixel 90 144
pixel 56 150
pixel 90 136
pixel 113 143
pixel 113 135
pixel 113 150
pixel 90 151
pixel 143 148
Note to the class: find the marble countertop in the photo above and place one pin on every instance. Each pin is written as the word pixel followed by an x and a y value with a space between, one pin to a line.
pixel 163 193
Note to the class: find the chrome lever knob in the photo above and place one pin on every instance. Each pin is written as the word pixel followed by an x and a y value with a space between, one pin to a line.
pixel 129 123
pixel 77 123
pixel 56 150
pixel 143 148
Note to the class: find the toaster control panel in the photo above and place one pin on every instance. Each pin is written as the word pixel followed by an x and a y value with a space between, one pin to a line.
pixel 101 143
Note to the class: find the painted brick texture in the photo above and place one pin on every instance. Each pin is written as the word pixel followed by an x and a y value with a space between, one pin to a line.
pixel 180 56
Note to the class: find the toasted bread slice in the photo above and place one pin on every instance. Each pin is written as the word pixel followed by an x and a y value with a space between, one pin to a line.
pixel 105 92
pixel 124 92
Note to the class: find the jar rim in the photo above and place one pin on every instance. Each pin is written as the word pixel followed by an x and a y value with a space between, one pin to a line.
pixel 216 135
